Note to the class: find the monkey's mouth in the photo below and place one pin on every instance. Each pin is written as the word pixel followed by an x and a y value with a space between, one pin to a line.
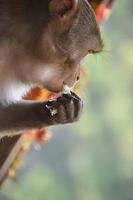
pixel 64 89
pixel 67 89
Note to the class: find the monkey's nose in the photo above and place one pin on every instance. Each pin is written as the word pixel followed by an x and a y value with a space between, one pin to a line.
pixel 71 81
pixel 78 77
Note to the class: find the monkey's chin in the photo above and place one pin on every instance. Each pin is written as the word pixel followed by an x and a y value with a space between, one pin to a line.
pixel 64 89
pixel 53 89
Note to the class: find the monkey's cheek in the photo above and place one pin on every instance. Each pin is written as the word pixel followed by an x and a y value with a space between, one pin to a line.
pixel 54 86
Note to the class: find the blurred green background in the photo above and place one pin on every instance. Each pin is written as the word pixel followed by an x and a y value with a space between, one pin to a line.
pixel 92 159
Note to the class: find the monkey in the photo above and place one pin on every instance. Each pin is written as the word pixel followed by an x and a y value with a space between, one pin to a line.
pixel 42 42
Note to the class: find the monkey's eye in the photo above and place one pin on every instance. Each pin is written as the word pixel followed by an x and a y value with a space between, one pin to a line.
pixel 92 52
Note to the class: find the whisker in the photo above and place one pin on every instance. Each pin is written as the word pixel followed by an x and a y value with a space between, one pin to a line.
pixel 106 51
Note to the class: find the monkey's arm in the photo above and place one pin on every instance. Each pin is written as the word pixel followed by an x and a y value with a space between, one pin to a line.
pixel 30 115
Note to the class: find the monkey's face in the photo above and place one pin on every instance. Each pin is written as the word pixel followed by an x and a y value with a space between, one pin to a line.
pixel 57 46
pixel 72 33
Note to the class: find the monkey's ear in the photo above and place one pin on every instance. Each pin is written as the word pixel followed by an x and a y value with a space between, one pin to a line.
pixel 63 7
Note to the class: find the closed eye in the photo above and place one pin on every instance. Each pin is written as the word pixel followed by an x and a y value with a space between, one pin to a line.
pixel 93 52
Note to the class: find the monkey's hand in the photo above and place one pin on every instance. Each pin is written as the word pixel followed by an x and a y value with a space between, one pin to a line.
pixel 66 108
pixel 25 115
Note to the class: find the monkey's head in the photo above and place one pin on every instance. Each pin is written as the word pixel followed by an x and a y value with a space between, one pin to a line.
pixel 61 34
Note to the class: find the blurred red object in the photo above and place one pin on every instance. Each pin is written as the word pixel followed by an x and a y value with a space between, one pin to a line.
pixel 101 8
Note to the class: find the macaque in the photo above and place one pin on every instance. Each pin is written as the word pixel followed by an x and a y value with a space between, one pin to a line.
pixel 42 42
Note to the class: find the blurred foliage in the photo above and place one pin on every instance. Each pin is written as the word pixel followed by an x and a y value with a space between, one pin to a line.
pixel 93 159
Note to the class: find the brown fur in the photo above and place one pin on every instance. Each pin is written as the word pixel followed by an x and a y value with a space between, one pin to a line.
pixel 42 42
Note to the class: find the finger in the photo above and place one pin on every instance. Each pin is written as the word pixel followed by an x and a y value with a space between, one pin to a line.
pixel 75 96
pixel 61 115
pixel 67 96
pixel 62 99
pixel 78 107
pixel 70 111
